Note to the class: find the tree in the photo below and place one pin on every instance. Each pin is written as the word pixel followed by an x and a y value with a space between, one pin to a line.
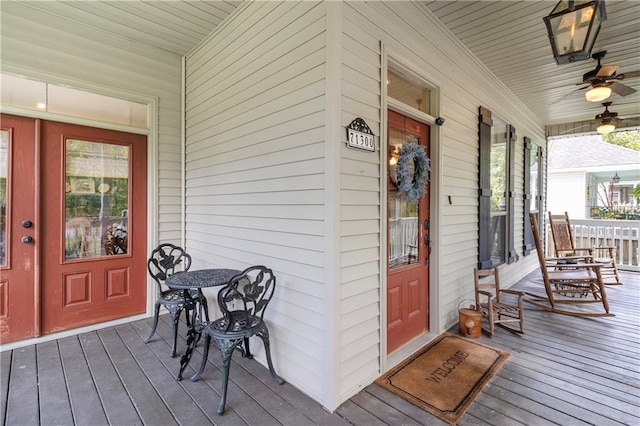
pixel 605 195
pixel 626 138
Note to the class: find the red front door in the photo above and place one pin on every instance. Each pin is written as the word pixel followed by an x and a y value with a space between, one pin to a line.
pixel 408 248
pixel 19 313
pixel 89 228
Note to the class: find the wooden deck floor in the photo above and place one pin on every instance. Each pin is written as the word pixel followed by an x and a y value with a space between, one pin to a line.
pixel 563 370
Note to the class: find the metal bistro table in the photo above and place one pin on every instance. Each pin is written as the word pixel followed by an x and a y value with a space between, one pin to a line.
pixel 195 279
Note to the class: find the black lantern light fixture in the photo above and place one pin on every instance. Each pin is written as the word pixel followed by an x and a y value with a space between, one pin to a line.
pixel 616 178
pixel 573 26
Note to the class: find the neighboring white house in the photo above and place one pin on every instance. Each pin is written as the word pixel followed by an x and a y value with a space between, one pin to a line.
pixel 581 176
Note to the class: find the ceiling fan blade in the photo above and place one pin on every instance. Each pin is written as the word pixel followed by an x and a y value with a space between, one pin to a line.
pixel 621 89
pixel 569 94
pixel 607 70
pixel 579 129
pixel 629 117
pixel 630 74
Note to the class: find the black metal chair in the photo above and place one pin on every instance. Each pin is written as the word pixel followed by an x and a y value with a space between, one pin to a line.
pixel 114 240
pixel 242 302
pixel 165 260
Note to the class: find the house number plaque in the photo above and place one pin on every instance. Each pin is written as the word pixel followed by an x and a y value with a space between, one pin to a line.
pixel 360 136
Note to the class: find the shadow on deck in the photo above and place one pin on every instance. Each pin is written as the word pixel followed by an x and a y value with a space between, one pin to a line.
pixel 563 370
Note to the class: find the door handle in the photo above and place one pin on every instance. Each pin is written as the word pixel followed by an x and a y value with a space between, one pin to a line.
pixel 427 242
pixel 27 239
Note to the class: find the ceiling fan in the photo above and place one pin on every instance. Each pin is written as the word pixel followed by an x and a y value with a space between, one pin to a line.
pixel 606 122
pixel 603 80
pixel 608 119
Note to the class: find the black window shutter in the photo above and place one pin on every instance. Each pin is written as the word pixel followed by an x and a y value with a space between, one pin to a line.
pixel 511 193
pixel 484 189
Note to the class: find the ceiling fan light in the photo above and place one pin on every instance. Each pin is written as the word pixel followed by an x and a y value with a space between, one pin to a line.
pixel 605 128
pixel 598 94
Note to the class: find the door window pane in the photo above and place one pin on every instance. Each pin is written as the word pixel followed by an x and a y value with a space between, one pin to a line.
pixel 96 199
pixel 38 96
pixel 4 175
pixel 403 215
pixel 411 93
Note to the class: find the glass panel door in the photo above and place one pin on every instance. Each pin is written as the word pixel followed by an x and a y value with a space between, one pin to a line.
pixel 408 238
pixel 94 230
pixel 19 229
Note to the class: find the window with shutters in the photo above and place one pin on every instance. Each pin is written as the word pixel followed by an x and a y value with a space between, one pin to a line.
pixel 532 190
pixel 496 191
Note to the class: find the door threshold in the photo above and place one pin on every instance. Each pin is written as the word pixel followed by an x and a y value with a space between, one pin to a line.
pixel 400 354
pixel 72 332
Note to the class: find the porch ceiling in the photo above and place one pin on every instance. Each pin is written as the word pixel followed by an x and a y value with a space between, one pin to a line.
pixel 508 36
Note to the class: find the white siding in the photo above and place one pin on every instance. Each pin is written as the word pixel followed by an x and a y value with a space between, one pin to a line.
pixel 46 47
pixel 360 219
pixel 566 192
pixel 255 169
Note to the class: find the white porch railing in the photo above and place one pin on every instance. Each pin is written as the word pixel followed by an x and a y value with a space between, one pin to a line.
pixel 622 234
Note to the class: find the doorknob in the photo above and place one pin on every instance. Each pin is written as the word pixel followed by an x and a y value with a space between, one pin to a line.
pixel 27 239
pixel 27 224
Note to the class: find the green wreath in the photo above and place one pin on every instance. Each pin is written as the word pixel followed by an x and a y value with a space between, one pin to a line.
pixel 412 180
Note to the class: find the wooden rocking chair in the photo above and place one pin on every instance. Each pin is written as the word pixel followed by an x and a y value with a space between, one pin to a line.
pixel 491 304
pixel 574 286
pixel 564 245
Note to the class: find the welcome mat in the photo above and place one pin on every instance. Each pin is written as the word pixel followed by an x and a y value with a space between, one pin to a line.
pixel 445 376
